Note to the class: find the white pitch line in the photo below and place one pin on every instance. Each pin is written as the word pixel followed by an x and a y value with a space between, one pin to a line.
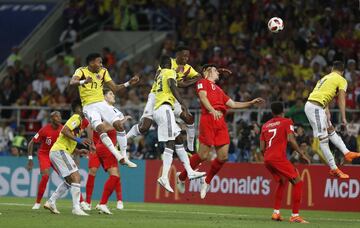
pixel 200 213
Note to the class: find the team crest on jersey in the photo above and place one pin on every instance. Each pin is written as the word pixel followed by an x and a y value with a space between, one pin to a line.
pixel 98 76
pixel 213 86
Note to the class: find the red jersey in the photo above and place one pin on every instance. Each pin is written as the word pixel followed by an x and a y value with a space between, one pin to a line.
pixel 47 136
pixel 215 95
pixel 274 133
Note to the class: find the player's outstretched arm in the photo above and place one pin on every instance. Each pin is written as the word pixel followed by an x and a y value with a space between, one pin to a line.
pixel 342 105
pixel 67 133
pixel 30 163
pixel 188 82
pixel 205 101
pixel 172 85
pixel 295 146
pixel 239 105
pixel 116 88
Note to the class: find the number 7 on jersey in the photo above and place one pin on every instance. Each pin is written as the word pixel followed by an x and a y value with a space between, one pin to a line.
pixel 274 133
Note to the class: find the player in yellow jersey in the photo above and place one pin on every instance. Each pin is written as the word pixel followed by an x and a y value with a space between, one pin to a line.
pixel 166 94
pixel 61 157
pixel 91 80
pixel 318 114
pixel 186 76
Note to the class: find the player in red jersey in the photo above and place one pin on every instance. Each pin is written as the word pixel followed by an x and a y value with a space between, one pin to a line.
pixel 275 134
pixel 47 136
pixel 108 161
pixel 213 130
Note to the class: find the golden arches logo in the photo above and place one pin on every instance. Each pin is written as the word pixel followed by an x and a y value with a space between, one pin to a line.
pixel 172 174
pixel 310 202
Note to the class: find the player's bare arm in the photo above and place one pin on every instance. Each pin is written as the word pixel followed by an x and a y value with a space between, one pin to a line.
pixel 172 85
pixel 75 80
pixel 295 146
pixel 30 163
pixel 117 87
pixel 262 146
pixel 241 105
pixel 67 133
pixel 90 133
pixel 205 101
pixel 189 82
pixel 342 105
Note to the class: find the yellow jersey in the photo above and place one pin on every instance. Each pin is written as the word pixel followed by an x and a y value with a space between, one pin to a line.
pixel 163 93
pixel 64 143
pixel 181 72
pixel 92 92
pixel 327 88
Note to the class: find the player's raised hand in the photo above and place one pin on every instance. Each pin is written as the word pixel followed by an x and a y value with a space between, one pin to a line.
pixel 217 114
pixel 88 80
pixel 258 101
pixel 134 80
pixel 30 165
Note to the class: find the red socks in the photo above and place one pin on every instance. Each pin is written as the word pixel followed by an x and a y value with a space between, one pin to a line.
pixel 42 187
pixel 296 195
pixel 279 195
pixel 109 187
pixel 118 191
pixel 89 187
pixel 216 165
pixel 195 160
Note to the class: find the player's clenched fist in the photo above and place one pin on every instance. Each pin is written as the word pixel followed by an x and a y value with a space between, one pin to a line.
pixel 217 114
pixel 134 80
pixel 258 100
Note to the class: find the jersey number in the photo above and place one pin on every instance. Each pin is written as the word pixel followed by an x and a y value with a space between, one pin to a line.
pixel 272 137
pixel 160 85
pixel 94 85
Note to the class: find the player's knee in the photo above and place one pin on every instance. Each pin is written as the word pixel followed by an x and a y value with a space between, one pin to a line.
pixel 118 125
pixel 100 129
pixel 113 171
pixel 179 140
pixel 170 144
pixel 330 129
pixel 223 158
pixel 74 177
pixel 145 125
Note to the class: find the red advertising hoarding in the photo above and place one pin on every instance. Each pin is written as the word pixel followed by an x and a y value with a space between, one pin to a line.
pixel 245 184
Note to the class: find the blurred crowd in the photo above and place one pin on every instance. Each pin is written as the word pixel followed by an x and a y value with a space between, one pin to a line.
pixel 231 34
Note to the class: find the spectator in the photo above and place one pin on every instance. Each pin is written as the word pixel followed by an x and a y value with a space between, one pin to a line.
pixel 63 81
pixel 8 96
pixel 40 84
pixel 296 112
pixel 68 37
pixel 6 136
pixel 19 143
pixel 14 56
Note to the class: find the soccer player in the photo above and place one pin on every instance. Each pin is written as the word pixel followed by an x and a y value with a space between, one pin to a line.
pixel 318 114
pixel 275 134
pixel 90 81
pixel 104 157
pixel 168 130
pixel 61 157
pixel 185 76
pixel 47 136
pixel 213 130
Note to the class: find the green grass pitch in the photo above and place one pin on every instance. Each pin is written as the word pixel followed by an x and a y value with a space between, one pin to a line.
pixel 16 212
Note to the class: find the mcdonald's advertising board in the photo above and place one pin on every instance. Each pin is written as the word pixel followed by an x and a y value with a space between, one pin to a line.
pixel 245 184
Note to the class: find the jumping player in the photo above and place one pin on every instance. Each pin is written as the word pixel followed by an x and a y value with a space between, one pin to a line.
pixel 46 136
pixel 275 134
pixel 90 81
pixel 213 130
pixel 318 114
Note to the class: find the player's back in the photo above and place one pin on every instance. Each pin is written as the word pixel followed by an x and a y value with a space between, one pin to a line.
pixel 327 88
pixel 47 136
pixel 274 133
pixel 163 92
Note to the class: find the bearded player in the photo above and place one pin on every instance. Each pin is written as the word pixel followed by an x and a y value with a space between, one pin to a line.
pixel 213 131
pixel 275 134
pixel 46 136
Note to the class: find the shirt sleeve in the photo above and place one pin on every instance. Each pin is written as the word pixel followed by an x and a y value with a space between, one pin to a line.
pixel 73 122
pixel 201 85
pixel 107 77
pixel 38 136
pixel 343 84
pixel 78 73
pixel 84 123
pixel 191 72
pixel 290 127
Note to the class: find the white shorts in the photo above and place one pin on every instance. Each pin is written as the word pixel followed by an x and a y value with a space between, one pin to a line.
pixel 167 126
pixel 63 162
pixel 98 112
pixel 149 107
pixel 317 118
